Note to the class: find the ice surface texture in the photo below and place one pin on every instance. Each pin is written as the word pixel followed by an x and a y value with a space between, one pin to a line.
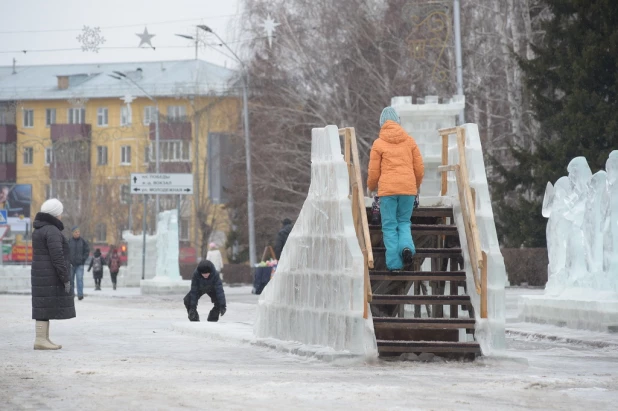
pixel 134 259
pixel 490 331
pixel 582 230
pixel 316 295
pixel 167 245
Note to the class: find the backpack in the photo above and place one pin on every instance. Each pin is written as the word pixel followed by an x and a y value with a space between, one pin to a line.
pixel 97 264
pixel 114 264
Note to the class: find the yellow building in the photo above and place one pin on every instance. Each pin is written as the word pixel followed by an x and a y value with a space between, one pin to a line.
pixel 77 132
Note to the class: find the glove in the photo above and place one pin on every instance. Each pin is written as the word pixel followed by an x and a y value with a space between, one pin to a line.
pixel 222 310
pixel 67 287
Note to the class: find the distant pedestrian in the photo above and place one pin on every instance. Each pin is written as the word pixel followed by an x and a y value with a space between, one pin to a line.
pixel 52 298
pixel 214 255
pixel 396 167
pixel 113 262
pixel 206 280
pixel 79 254
pixel 96 265
pixel 282 236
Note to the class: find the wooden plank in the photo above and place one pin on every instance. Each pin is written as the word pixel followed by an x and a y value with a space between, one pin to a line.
pixel 428 252
pixel 447 131
pixel 422 323
pixel 433 212
pixel 467 228
pixel 444 163
pixel 454 288
pixel 458 276
pixel 381 299
pixel 447 168
pixel 484 286
pixel 427 346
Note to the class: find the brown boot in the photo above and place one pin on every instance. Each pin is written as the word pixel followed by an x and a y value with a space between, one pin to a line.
pixel 41 341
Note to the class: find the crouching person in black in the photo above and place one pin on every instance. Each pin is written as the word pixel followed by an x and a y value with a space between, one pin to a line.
pixel 206 280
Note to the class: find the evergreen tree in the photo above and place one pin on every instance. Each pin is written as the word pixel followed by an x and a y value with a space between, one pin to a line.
pixel 573 87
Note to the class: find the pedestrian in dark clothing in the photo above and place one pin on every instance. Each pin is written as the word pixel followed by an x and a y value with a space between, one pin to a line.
pixel 79 254
pixel 282 236
pixel 206 280
pixel 113 262
pixel 96 264
pixel 50 273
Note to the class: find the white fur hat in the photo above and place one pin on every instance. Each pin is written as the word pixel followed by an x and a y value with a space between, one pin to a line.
pixel 53 207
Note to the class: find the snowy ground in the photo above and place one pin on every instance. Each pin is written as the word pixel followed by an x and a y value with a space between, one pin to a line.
pixel 127 351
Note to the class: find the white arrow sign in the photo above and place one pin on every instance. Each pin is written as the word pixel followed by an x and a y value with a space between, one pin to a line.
pixel 158 183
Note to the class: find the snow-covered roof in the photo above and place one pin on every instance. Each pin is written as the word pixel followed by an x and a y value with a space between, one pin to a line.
pixel 158 78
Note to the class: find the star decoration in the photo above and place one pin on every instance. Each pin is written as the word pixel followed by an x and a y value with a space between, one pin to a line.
pixel 90 39
pixel 145 38
pixel 269 27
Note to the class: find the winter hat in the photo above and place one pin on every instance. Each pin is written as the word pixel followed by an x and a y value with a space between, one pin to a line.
pixel 76 227
pixel 212 246
pixel 205 266
pixel 52 207
pixel 97 252
pixel 389 113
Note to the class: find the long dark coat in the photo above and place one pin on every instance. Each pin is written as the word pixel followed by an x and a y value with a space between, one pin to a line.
pixel 50 270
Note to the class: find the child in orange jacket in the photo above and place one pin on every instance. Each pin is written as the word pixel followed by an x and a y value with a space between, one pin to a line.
pixel 396 167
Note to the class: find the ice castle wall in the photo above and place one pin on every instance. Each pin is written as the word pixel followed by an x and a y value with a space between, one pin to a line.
pixel 316 296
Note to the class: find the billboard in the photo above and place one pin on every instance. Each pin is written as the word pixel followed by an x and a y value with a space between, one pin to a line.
pixel 16 199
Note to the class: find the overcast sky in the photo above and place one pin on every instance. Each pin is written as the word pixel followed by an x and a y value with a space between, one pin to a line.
pixel 54 24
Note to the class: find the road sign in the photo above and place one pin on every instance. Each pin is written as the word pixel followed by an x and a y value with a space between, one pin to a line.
pixel 158 183
pixel 4 218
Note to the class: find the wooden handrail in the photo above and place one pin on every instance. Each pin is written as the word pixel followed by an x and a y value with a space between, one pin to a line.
pixel 467 200
pixel 359 213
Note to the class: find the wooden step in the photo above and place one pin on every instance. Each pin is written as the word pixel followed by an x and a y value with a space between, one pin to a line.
pixel 383 299
pixel 424 229
pixel 433 212
pixel 417 275
pixel 428 252
pixel 428 347
pixel 422 323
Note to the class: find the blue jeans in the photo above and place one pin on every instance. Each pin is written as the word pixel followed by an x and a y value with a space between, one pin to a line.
pixel 79 272
pixel 396 213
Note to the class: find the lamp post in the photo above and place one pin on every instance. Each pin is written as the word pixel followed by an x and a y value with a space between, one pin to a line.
pixel 119 76
pixel 245 81
pixel 458 59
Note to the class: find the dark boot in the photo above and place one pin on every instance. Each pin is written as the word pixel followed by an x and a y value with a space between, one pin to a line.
pixel 114 286
pixel 213 316
pixel 193 314
pixel 407 255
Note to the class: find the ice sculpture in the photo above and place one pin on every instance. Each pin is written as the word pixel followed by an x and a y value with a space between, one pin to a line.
pixel 582 243
pixel 316 296
pixel 489 332
pixel 167 279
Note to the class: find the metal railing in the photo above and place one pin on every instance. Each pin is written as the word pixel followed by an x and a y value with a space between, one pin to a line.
pixel 359 213
pixel 467 199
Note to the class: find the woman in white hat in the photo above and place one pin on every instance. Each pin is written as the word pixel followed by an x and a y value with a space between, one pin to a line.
pixel 52 298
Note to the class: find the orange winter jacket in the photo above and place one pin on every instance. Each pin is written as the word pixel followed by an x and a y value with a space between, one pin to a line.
pixel 395 165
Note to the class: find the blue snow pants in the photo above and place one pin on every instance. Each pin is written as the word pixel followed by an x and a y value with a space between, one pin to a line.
pixel 396 213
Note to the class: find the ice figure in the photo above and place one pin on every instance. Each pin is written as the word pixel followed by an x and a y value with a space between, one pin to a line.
pixel 167 245
pixel 593 229
pixel 316 296
pixel 555 208
pixel 610 228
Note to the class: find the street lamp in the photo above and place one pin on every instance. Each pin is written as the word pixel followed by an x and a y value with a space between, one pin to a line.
pixel 245 81
pixel 119 76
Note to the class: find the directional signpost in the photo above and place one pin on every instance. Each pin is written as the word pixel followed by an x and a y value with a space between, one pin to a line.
pixel 157 183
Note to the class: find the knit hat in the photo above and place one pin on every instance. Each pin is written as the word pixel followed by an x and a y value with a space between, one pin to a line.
pixel 389 113
pixel 52 207
pixel 212 246
pixel 74 228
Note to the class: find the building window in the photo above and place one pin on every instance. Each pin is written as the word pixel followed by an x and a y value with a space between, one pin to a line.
pixel 176 114
pixel 147 154
pixel 125 116
pixel 77 115
pixel 102 155
pixel 49 155
pixel 102 117
pixel 7 153
pixel 50 116
pixel 174 151
pixel 28 155
pixel 183 229
pixel 150 114
pixel 68 189
pixel 125 155
pixel 125 194
pixel 100 233
pixel 29 118
pixel 100 193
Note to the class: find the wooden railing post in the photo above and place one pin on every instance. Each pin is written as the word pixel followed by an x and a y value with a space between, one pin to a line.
pixel 484 286
pixel 444 163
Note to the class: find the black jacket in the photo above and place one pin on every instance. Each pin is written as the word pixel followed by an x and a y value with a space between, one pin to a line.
pixel 79 251
pixel 210 285
pixel 282 238
pixel 50 270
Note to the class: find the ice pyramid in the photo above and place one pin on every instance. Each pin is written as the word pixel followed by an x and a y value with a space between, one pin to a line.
pixel 316 296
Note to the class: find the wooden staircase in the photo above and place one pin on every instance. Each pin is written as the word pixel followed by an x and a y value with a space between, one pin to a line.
pixel 429 327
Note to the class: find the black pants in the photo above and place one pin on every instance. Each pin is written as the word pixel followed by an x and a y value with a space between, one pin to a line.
pixel 212 295
pixel 114 276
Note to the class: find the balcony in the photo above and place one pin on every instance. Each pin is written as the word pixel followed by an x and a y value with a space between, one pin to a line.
pixel 70 132
pixel 172 131
pixel 8 133
pixel 8 143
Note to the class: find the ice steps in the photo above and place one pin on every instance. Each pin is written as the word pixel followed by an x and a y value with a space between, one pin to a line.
pixel 444 347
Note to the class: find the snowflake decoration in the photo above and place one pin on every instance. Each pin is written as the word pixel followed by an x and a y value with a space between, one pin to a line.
pixel 91 39
pixel 269 27
pixel 77 102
